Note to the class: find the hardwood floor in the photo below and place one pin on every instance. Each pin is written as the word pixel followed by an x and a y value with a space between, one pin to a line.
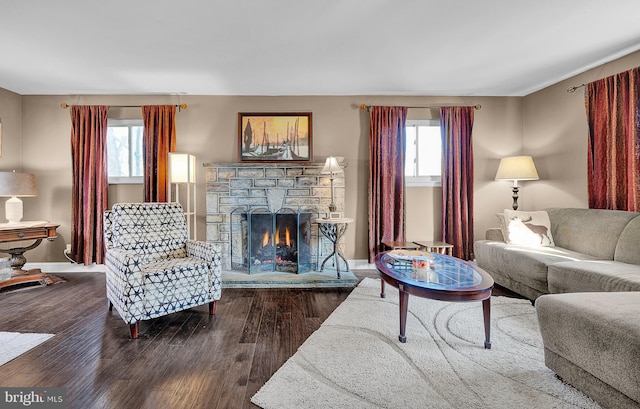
pixel 184 360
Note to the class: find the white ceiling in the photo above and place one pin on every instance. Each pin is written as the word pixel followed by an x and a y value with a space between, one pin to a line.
pixel 308 47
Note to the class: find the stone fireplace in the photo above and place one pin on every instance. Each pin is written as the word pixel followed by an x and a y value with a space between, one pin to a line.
pixel 282 201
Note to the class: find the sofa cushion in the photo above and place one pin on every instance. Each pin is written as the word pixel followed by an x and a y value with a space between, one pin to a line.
pixel 598 333
pixel 527 228
pixel 494 234
pixel 502 225
pixel 589 231
pixel 593 275
pixel 522 263
pixel 627 249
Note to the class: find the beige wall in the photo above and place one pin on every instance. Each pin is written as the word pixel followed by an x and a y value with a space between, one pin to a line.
pixel 556 136
pixel 10 144
pixel 208 129
pixel 549 125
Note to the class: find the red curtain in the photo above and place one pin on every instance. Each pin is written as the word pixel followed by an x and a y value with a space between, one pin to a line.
pixel 158 140
pixel 456 125
pixel 89 191
pixel 614 142
pixel 386 176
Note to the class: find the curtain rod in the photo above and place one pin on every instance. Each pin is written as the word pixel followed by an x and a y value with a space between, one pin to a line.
pixel 476 107
pixel 574 88
pixel 181 106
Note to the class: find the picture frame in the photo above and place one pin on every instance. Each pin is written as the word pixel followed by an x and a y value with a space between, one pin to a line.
pixel 275 137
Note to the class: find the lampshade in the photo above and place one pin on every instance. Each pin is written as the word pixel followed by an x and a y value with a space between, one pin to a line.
pixel 331 166
pixel 14 184
pixel 517 168
pixel 182 168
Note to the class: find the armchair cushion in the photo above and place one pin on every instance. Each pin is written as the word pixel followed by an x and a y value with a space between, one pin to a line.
pixel 155 232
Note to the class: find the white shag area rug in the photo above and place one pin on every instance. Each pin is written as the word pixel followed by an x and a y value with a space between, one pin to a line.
pixel 14 344
pixel 354 360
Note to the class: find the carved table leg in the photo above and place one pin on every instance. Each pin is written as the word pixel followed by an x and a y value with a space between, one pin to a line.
pixel 404 306
pixel 486 312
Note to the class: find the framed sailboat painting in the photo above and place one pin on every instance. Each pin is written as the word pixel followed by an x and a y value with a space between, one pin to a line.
pixel 275 137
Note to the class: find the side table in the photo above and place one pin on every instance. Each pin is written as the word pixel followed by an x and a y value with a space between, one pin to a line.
pixel 400 245
pixel 334 229
pixel 435 246
pixel 25 231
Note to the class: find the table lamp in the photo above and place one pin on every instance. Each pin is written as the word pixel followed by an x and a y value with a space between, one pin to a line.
pixel 16 185
pixel 331 167
pixel 516 168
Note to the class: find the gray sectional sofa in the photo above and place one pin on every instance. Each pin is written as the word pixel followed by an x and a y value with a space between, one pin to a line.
pixel 592 341
pixel 587 296
pixel 595 250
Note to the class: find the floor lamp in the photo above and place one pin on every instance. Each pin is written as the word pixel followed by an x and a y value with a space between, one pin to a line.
pixel 516 168
pixel 182 171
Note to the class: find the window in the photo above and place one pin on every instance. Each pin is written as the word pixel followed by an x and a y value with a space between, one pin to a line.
pixel 124 151
pixel 423 153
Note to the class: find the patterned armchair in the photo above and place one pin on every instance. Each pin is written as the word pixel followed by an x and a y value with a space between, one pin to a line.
pixel 153 269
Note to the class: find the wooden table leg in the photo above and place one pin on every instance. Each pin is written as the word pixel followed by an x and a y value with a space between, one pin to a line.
pixel 382 293
pixel 404 305
pixel 486 312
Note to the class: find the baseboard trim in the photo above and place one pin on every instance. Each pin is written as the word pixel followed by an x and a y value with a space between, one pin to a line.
pixel 361 264
pixel 66 267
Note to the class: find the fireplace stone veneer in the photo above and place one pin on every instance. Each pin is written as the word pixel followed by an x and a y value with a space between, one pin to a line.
pixel 271 186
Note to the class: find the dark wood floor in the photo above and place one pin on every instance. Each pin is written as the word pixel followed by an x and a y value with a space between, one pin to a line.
pixel 184 360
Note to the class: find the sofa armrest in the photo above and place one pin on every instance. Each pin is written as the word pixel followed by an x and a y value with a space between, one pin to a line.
pixel 494 234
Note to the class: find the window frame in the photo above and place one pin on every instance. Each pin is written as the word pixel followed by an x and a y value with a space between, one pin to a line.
pixel 125 180
pixel 422 181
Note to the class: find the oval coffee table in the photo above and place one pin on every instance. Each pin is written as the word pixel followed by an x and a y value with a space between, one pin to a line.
pixel 448 279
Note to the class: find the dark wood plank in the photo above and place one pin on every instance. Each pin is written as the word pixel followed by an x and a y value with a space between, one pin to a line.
pixel 252 322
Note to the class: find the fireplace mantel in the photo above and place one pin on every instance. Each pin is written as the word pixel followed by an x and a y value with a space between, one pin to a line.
pixel 297 185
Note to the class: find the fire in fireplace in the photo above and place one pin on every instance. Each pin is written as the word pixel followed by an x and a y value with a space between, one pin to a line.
pixel 272 241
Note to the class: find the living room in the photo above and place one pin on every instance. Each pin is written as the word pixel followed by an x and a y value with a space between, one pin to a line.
pixel 548 123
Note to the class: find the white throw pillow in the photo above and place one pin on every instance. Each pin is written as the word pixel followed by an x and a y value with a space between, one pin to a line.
pixel 528 228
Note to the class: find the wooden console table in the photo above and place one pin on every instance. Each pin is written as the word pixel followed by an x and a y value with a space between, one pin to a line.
pixel 25 231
